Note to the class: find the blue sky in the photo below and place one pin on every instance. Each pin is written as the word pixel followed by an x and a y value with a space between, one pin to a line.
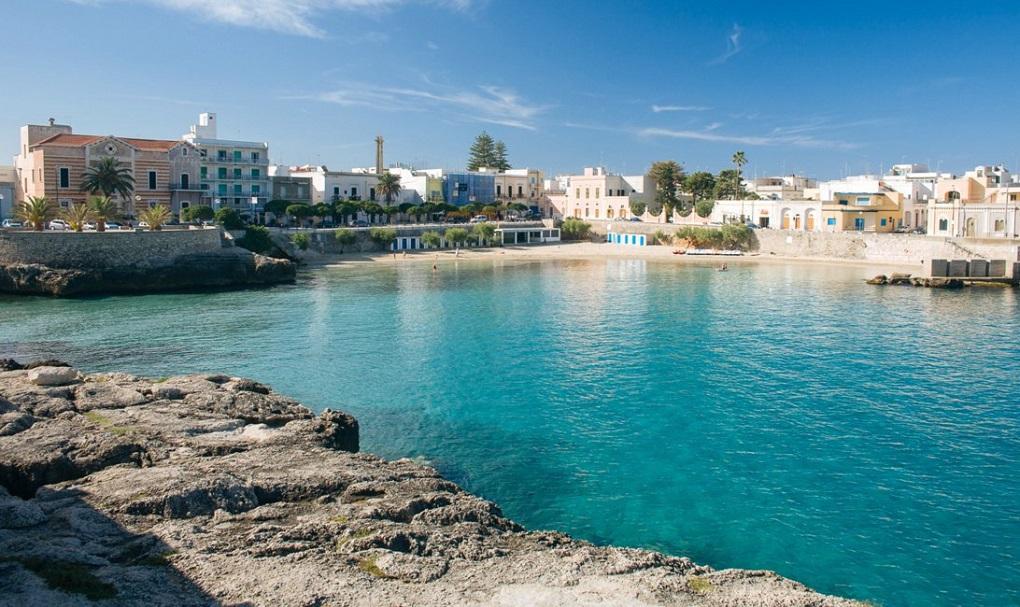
pixel 799 86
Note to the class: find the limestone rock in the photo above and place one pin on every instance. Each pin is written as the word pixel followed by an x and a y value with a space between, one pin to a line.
pixel 881 279
pixel 53 376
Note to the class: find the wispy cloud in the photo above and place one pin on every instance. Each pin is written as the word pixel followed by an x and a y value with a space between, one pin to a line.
pixel 658 109
pixel 733 45
pixel 486 103
pixel 432 46
pixel 711 133
pixel 296 17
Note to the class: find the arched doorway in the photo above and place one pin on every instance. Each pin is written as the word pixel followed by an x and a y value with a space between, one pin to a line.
pixel 785 219
pixel 796 222
pixel 971 230
pixel 809 223
pixel 609 213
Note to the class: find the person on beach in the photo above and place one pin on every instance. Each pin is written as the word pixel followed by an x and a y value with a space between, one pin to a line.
pixel 435 264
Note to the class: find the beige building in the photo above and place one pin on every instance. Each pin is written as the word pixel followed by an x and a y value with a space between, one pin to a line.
pixel 983 203
pixel 598 194
pixel 52 161
pixel 797 215
pixel 861 212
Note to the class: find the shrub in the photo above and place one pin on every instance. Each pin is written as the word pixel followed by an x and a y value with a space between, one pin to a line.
pixel 730 236
pixel 156 216
pixel 575 229
pixel 256 239
pixel 660 237
pixel 198 213
pixel 638 208
pixel 457 236
pixel 382 236
pixel 484 232
pixel 345 238
pixel 300 241
pixel 229 219
pixel 431 239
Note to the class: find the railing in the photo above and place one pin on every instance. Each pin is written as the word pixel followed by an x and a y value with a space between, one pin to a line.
pixel 231 160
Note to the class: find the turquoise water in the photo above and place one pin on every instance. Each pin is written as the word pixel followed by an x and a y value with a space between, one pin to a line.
pixel 862 440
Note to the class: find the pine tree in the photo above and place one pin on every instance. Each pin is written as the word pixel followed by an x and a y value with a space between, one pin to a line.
pixel 483 152
pixel 501 162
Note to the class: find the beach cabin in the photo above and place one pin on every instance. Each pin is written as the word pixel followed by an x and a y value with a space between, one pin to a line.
pixel 634 240
pixel 407 243
pixel 526 235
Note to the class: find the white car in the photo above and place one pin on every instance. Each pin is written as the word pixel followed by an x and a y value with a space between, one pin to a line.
pixel 479 219
pixel 90 226
pixel 12 223
pixel 142 225
pixel 58 224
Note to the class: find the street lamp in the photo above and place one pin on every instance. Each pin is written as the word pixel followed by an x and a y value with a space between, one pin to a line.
pixel 254 209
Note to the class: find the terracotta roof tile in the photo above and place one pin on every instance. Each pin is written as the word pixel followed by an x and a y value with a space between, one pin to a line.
pixel 65 139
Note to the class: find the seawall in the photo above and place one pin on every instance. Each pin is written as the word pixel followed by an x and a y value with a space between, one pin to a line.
pixel 93 250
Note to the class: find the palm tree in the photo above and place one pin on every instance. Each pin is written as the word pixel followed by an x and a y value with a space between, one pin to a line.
pixel 102 208
pixel 36 210
pixel 77 215
pixel 389 186
pixel 108 177
pixel 739 160
pixel 155 216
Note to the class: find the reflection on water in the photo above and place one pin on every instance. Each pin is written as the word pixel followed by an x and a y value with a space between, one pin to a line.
pixel 862 440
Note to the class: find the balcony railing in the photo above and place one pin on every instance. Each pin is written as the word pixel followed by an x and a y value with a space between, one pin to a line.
pixel 231 160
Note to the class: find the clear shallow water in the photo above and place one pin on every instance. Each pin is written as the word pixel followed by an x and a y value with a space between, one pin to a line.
pixel 862 440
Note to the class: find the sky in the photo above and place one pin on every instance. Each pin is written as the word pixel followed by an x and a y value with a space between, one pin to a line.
pixel 810 88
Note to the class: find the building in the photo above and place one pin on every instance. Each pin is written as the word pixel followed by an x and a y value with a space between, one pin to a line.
pixel 285 186
pixel 52 160
pixel 983 203
pixel 598 194
pixel 419 186
pixel 525 186
pixel 789 187
pixel 8 187
pixel 861 212
pixel 797 215
pixel 914 183
pixel 232 174
pixel 330 186
pixel 461 188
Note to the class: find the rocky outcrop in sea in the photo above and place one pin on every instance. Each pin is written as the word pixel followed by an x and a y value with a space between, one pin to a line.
pixel 215 490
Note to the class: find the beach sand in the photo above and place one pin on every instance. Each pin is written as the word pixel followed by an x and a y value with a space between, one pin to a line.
pixel 591 251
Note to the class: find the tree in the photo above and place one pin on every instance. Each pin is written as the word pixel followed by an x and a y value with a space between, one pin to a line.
pixel 484 232
pixel 108 176
pixel 482 153
pixel 300 211
pixel 36 210
pixel 500 160
pixel 77 215
pixel 431 239
pixel 102 209
pixel 704 207
pixel 700 185
pixel 300 240
pixel 229 219
pixel 345 238
pixel 389 186
pixel 156 217
pixel 277 207
pixel 257 240
pixel 458 236
pixel 575 229
pixel 198 213
pixel 638 207
pixel 322 210
pixel 727 185
pixel 346 209
pixel 739 160
pixel 668 176
pixel 383 237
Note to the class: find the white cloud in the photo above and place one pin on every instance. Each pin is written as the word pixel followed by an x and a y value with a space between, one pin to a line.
pixel 679 108
pixel 775 139
pixel 296 17
pixel 733 45
pixel 432 46
pixel 490 104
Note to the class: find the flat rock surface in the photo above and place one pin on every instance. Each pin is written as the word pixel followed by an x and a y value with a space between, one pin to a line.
pixel 213 490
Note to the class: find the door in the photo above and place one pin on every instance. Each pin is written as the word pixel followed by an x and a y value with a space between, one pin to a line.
pixel 786 222
pixel 859 224
pixel 810 226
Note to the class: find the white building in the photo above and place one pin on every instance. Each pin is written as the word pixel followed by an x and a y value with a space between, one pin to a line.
pixel 983 203
pixel 914 182
pixel 232 173
pixel 329 186
pixel 789 187
pixel 598 194
pixel 797 215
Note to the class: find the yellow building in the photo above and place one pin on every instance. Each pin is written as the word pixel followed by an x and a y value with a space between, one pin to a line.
pixel 867 212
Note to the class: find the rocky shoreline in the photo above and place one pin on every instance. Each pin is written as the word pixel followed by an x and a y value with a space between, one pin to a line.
pixel 214 490
pixel 229 268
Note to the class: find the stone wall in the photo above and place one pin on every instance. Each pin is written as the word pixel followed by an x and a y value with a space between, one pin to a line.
pixel 99 250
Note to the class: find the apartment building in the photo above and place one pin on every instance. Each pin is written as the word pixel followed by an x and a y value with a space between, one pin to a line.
pixel 329 186
pixel 285 186
pixel 52 160
pixel 231 173
pixel 598 194
pixel 983 203
pixel 788 187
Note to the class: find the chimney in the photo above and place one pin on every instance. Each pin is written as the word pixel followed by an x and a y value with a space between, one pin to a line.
pixel 379 155
pixel 53 121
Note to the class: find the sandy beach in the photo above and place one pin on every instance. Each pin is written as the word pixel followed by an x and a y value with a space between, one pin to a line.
pixel 590 251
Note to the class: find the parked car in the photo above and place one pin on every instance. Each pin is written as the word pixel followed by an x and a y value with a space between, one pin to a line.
pixel 919 230
pixel 113 225
pixel 58 224
pixel 479 219
pixel 752 226
pixel 359 223
pixel 635 219
pixel 12 223
pixel 142 225
pixel 89 226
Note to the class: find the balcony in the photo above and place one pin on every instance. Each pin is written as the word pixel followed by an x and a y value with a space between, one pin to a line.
pixel 230 160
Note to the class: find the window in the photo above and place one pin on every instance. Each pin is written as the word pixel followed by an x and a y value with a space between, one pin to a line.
pixel 943 225
pixel 221 155
pixel 354 193
pixel 237 189
pixel 596 212
pixel 221 173
pixel 255 190
pixel 256 174
pixel 499 191
pixel 1000 225
pixel 203 172
pixel 596 193
pixel 185 181
pixel 237 173
pixel 577 194
pixel 587 192
pixel 830 221
pixel 237 155
pixel 65 203
pixel 336 192
pixel 184 152
pixel 65 177
pixel 254 156
pixel 203 153
pixel 222 189
pixel 884 221
pixel 152 180
pixel 863 201
pixel 185 205
pixel 520 191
